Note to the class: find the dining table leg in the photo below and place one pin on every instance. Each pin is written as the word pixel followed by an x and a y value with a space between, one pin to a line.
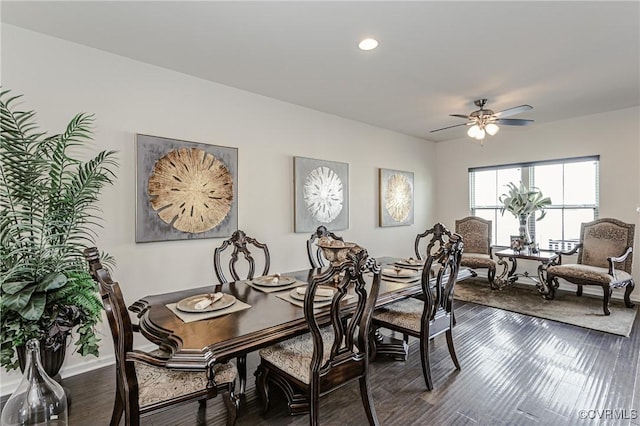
pixel 397 349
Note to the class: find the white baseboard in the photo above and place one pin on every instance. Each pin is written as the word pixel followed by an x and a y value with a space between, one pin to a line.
pixel 10 381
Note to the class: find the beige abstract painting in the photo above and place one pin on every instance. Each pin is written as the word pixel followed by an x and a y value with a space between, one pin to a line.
pixel 396 198
pixel 185 190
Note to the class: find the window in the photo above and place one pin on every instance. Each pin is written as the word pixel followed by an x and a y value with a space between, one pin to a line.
pixel 571 183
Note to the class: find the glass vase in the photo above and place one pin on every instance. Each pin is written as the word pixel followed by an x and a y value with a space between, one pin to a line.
pixel 38 400
pixel 523 219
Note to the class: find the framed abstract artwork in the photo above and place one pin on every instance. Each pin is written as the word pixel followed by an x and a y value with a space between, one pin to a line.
pixel 184 190
pixel 396 197
pixel 321 194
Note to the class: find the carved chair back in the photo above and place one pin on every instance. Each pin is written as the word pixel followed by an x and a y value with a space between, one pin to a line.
pixel 240 244
pixel 121 329
pixel 316 258
pixel 605 238
pixel 476 233
pixel 348 357
pixel 444 253
pixel 430 238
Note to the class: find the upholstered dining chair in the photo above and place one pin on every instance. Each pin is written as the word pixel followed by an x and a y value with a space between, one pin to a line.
pixel 604 259
pixel 336 349
pixel 240 244
pixel 431 315
pixel 476 233
pixel 144 384
pixel 316 258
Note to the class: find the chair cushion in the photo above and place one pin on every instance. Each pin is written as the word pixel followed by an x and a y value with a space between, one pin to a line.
pixel 157 384
pixel 477 260
pixel 586 272
pixel 405 313
pixel 293 356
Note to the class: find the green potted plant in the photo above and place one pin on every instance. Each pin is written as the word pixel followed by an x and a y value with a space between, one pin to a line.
pixel 523 202
pixel 48 215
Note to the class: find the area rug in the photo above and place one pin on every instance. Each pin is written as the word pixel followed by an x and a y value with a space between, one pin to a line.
pixel 566 307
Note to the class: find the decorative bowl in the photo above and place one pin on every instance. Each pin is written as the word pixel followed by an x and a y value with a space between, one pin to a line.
pixel 335 250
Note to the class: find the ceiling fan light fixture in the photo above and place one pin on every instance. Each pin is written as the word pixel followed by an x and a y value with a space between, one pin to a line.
pixel 473 130
pixel 484 121
pixel 492 128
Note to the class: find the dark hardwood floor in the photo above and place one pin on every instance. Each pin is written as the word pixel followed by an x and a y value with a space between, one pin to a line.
pixel 516 370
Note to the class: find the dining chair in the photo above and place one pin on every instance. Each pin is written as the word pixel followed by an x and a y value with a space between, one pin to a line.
pixel 604 259
pixel 432 314
pixel 316 258
pixel 335 351
pixel 240 244
pixel 476 233
pixel 144 382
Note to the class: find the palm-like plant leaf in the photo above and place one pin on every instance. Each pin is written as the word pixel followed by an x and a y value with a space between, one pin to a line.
pixel 48 215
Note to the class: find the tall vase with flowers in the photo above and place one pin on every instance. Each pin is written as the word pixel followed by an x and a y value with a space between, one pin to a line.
pixel 523 203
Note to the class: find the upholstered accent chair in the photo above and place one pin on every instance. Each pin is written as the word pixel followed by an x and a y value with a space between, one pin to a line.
pixel 316 258
pixel 240 244
pixel 336 349
pixel 431 315
pixel 604 259
pixel 476 233
pixel 144 383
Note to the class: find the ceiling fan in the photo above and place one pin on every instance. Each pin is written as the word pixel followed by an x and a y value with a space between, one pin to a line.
pixel 485 121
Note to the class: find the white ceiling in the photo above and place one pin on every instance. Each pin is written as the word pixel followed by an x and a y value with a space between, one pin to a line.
pixel 566 59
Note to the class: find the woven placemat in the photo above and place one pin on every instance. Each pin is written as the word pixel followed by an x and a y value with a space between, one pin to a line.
pixel 197 316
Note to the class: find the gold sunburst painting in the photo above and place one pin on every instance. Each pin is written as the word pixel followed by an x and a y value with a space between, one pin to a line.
pixel 186 190
pixel 396 198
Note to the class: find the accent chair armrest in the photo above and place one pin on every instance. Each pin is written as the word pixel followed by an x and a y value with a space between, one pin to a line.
pixel 574 250
pixel 619 259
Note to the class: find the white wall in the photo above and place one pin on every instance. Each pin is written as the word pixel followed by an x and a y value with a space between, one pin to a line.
pixel 59 79
pixel 613 135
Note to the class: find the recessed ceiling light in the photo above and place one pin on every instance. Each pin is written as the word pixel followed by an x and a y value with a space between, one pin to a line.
pixel 368 44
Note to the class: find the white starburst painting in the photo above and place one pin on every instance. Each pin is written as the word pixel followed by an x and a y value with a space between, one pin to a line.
pixel 321 194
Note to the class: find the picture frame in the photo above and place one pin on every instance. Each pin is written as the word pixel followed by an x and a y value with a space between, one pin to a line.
pixel 321 194
pixel 516 243
pixel 396 198
pixel 184 190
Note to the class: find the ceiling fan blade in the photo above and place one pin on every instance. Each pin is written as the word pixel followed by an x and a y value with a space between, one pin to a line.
pixel 513 121
pixel 449 127
pixel 459 115
pixel 513 111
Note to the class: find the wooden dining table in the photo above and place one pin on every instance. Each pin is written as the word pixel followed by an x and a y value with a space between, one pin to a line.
pixel 194 345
